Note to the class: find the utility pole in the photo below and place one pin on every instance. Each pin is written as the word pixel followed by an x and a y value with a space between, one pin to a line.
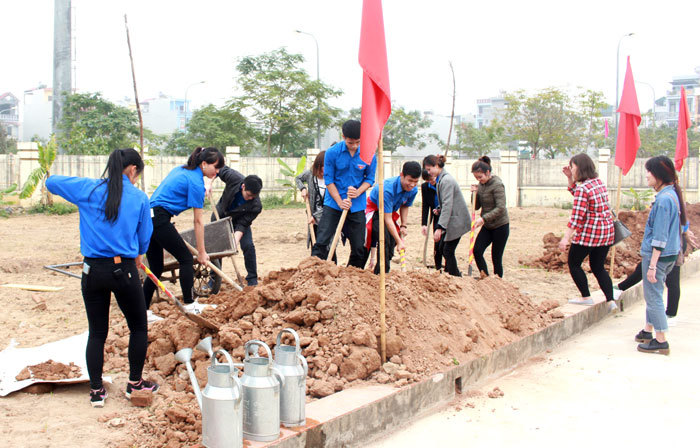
pixel 61 60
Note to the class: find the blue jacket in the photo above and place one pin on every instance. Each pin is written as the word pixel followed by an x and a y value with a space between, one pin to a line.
pixel 127 237
pixel 344 170
pixel 663 230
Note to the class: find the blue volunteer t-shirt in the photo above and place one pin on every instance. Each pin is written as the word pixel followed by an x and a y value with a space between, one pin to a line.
pixel 344 170
pixel 127 237
pixel 181 189
pixel 394 196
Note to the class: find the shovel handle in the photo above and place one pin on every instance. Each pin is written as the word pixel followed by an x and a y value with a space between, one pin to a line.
pixel 339 229
pixel 309 216
pixel 216 270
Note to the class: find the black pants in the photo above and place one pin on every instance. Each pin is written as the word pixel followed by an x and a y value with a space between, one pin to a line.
pixel 389 245
pixel 673 283
pixel 437 247
pixel 448 249
pixel 596 258
pixel 249 257
pixel 498 237
pixel 165 236
pixel 354 230
pixel 335 254
pixel 122 279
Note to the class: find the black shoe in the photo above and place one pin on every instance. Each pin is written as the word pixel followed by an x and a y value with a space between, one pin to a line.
pixel 655 346
pixel 98 397
pixel 141 385
pixel 643 337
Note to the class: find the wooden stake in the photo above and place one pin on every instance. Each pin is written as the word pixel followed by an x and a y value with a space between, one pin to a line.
pixel 136 98
pixel 452 117
pixel 308 219
pixel 427 236
pixel 619 199
pixel 382 255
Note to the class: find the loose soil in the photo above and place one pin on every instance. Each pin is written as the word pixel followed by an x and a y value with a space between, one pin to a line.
pixel 49 370
pixel 467 318
pixel 627 252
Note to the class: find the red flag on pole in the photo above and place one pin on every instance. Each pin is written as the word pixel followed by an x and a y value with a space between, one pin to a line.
pixel 628 141
pixel 683 126
pixel 376 99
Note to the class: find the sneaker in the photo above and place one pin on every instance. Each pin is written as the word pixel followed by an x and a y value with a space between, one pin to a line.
pixel 196 307
pixel 581 301
pixel 655 346
pixel 98 397
pixel 151 317
pixel 612 306
pixel 643 336
pixel 141 385
pixel 617 292
pixel 672 321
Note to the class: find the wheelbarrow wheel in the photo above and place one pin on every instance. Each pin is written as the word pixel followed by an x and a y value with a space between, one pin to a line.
pixel 202 280
pixel 215 284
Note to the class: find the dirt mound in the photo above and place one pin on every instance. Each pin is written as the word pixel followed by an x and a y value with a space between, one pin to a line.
pixel 627 252
pixel 49 370
pixel 433 321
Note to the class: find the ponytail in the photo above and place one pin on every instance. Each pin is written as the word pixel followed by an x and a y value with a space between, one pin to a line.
pixel 210 155
pixel 118 160
pixel 433 160
pixel 681 202
pixel 482 165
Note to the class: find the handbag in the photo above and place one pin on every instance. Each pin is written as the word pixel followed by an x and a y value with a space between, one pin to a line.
pixel 621 230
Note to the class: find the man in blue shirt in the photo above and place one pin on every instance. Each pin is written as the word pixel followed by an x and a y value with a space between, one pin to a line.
pixel 399 194
pixel 347 178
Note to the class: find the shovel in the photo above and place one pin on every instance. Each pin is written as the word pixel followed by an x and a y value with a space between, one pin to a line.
pixel 308 218
pixel 471 235
pixel 196 318
pixel 427 236
pixel 336 237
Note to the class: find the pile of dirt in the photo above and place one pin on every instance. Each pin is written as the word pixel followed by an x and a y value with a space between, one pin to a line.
pixel 49 370
pixel 627 252
pixel 433 321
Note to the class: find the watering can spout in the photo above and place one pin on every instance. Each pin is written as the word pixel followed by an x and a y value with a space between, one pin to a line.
pixel 184 356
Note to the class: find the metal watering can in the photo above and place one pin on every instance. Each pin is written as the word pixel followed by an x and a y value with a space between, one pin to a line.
pixel 220 402
pixel 292 364
pixel 261 394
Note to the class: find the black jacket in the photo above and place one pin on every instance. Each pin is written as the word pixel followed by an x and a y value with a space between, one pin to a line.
pixel 428 197
pixel 243 216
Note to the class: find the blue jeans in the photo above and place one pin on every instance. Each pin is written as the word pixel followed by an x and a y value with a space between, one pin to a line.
pixel 654 292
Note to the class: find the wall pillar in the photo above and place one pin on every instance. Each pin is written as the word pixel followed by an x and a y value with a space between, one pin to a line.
pixel 387 164
pixel 233 158
pixel 509 176
pixel 28 154
pixel 311 154
pixel 603 168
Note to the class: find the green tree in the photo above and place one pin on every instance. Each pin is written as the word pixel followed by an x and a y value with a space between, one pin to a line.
pixel 661 140
pixel 47 154
pixel 548 121
pixel 7 145
pixel 403 128
pixel 290 175
pixel 94 125
pixel 591 104
pixel 214 126
pixel 279 95
pixel 474 141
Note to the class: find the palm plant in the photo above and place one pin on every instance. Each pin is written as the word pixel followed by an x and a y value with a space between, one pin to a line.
pixel 47 154
pixel 286 170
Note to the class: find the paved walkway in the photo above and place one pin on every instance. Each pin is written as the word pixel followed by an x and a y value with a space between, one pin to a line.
pixel 594 390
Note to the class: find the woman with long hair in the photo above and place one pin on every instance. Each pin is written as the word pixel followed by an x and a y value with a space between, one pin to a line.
pixel 591 225
pixel 491 199
pixel 660 249
pixel 183 188
pixel 311 185
pixel 454 214
pixel 115 229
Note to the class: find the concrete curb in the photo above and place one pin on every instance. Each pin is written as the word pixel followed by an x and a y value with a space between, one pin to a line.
pixel 387 408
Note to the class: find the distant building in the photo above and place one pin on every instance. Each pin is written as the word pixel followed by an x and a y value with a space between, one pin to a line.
pixel 667 107
pixel 164 115
pixel 489 109
pixel 9 115
pixel 37 116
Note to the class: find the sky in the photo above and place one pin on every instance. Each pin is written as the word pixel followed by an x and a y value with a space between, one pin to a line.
pixel 497 45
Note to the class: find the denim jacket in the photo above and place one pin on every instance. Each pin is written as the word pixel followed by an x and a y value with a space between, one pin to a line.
pixel 662 230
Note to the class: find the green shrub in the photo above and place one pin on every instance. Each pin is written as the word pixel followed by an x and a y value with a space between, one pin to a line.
pixel 55 209
pixel 274 201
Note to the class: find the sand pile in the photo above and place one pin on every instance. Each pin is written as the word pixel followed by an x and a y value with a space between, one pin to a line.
pixel 627 252
pixel 433 321
pixel 49 370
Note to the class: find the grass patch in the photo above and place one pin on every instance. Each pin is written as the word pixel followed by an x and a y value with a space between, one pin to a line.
pixel 55 209
pixel 272 202
pixel 4 214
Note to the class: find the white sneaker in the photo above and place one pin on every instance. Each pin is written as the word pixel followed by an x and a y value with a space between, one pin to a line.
pixel 196 307
pixel 612 306
pixel 672 321
pixel 617 293
pixel 151 317
pixel 581 301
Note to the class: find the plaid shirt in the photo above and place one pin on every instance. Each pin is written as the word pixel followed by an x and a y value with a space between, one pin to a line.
pixel 590 216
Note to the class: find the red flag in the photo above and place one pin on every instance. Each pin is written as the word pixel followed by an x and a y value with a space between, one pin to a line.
pixel 376 99
pixel 683 126
pixel 627 132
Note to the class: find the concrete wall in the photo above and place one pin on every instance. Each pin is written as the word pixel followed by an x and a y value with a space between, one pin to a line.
pixel 528 182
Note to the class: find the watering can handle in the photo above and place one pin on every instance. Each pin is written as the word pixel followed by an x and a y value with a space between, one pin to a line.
pixel 293 333
pixel 238 386
pixel 259 344
pixel 278 374
pixel 304 364
pixel 226 355
pixel 239 365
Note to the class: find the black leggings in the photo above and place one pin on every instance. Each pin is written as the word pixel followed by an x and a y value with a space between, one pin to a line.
pixel 673 283
pixel 497 236
pixel 122 279
pixel 165 236
pixel 448 251
pixel 596 258
pixel 389 245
